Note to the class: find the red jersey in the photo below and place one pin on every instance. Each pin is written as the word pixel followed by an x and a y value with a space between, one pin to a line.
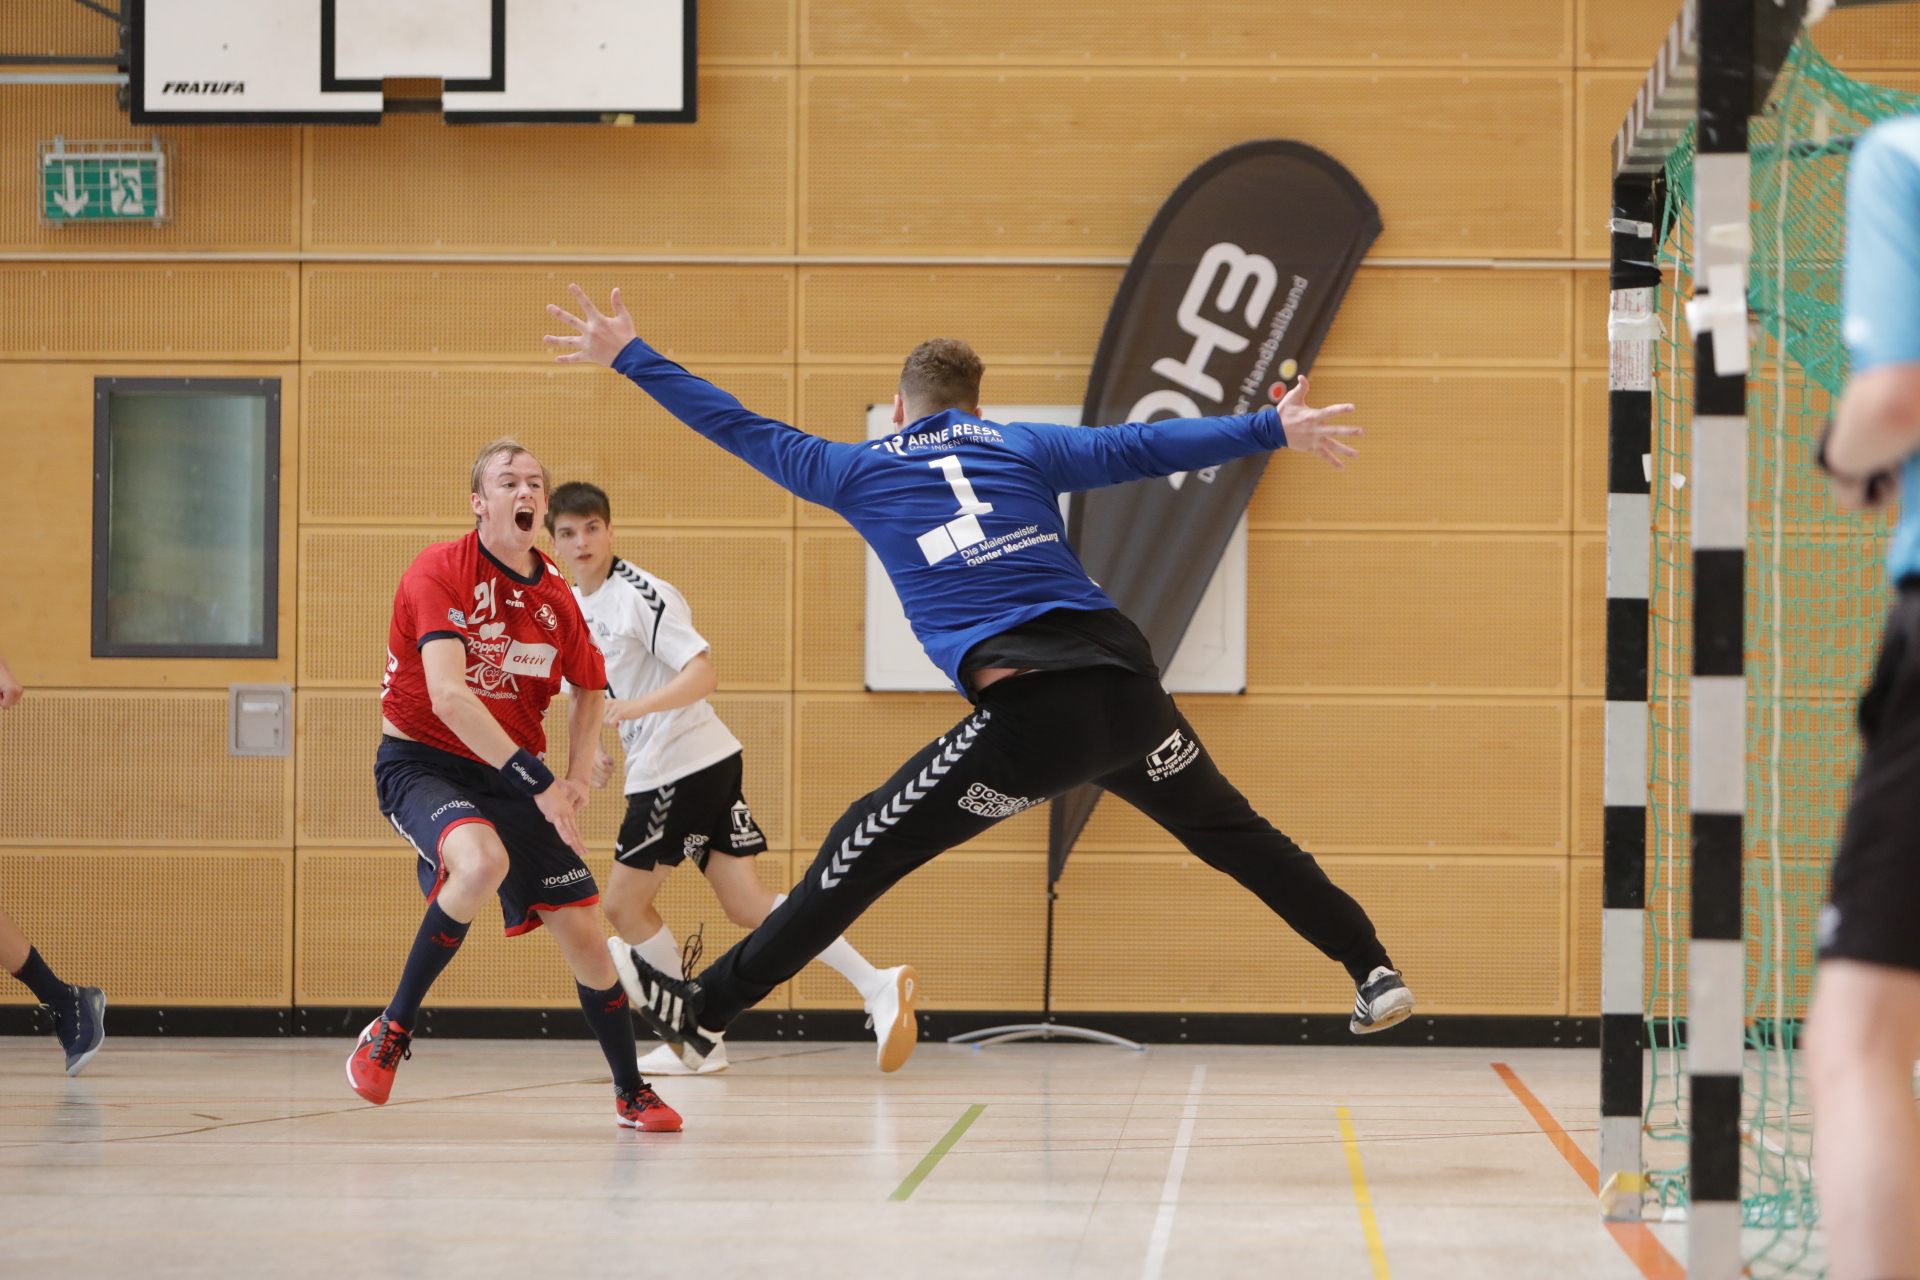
pixel 522 636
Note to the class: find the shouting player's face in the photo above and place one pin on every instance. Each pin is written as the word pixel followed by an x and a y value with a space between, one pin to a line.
pixel 512 502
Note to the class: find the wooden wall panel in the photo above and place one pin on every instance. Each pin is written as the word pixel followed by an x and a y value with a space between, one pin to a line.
pixel 1589 451
pixel 1583 937
pixel 763 722
pixel 86 767
pixel 46 627
pixel 1498 317
pixel 1589 615
pixel 737 315
pixel 235 189
pixel 347 582
pixel 1443 449
pixel 974 926
pixel 1590 304
pixel 1373 613
pixel 158 926
pixel 1604 97
pixel 1622 33
pixel 1472 935
pixel 1010 315
pixel 719 186
pixel 739 585
pixel 128 311
pixel 1137 32
pixel 830 610
pixel 1858 40
pixel 337 736
pixel 845 745
pixel 1354 775
pixel 395 444
pixel 1080 162
pixel 1587 773
pixel 736 32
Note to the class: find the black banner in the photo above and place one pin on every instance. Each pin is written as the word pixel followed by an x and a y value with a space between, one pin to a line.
pixel 1232 290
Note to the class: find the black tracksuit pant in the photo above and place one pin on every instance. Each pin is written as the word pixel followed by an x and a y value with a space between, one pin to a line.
pixel 1031 738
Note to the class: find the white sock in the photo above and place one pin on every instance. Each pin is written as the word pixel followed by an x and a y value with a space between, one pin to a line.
pixel 851 965
pixel 662 952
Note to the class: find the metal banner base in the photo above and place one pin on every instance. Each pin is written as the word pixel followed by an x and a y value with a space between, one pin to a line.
pixel 1039 1031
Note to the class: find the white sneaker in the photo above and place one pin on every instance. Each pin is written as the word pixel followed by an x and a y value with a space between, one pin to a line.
pixel 1382 1001
pixel 890 1014
pixel 664 1061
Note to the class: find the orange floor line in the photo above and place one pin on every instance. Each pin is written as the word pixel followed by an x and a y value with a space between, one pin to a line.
pixel 1635 1239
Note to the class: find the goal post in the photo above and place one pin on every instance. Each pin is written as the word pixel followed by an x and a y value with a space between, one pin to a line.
pixel 1740 617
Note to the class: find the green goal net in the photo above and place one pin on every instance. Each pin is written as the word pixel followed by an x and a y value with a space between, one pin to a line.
pixel 1816 594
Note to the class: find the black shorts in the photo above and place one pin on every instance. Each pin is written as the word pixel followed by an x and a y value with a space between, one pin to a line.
pixel 1876 877
pixel 426 792
pixel 690 817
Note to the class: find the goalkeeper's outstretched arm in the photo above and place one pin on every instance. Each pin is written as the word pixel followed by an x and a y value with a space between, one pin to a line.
pixel 800 463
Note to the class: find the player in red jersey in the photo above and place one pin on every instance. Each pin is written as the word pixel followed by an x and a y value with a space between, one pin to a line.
pixel 484 630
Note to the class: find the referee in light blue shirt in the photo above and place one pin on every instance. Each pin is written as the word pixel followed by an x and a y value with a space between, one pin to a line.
pixel 1864 1034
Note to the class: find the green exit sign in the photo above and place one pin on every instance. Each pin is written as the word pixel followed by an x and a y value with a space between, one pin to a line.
pixel 103 182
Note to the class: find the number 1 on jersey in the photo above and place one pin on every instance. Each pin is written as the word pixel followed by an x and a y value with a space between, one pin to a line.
pixel 964 529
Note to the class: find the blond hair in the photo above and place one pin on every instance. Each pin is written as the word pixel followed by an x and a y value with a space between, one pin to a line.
pixel 508 447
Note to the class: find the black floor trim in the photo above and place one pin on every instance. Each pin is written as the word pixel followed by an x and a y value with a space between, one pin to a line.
pixel 1448 1031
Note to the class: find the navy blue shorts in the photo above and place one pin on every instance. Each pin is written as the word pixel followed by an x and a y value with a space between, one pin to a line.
pixel 426 792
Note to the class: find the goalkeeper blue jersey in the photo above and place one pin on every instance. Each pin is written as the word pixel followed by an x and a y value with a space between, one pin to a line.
pixel 963 513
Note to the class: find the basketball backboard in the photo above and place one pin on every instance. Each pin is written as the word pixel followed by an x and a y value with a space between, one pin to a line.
pixel 323 61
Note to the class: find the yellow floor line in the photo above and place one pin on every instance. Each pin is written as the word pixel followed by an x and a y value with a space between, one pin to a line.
pixel 1369 1225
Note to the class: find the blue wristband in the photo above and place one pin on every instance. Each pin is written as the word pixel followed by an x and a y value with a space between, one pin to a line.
pixel 524 770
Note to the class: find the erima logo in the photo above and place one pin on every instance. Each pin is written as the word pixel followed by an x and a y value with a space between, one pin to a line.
pixel 1171 756
pixel 988 803
pixel 578 873
pixel 205 86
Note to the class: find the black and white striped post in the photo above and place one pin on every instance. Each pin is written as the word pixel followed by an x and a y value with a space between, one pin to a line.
pixel 1632 326
pixel 1716 957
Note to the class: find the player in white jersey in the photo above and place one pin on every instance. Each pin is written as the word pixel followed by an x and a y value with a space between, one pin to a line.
pixel 683 765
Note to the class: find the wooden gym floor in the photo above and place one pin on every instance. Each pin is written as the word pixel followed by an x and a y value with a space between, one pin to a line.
pixel 501 1158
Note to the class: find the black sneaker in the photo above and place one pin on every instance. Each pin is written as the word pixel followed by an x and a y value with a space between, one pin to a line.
pixel 671 1006
pixel 1382 1001
pixel 80 1021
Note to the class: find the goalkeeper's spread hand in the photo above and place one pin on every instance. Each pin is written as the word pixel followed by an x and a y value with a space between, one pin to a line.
pixel 599 338
pixel 1312 430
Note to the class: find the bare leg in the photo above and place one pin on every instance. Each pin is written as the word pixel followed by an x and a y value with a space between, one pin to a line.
pixel 13 944
pixel 628 901
pixel 1862 1040
pixel 476 863
pixel 743 895
pixel 583 946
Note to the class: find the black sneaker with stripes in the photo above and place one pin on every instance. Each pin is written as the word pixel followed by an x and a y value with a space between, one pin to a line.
pixel 1383 1000
pixel 671 1006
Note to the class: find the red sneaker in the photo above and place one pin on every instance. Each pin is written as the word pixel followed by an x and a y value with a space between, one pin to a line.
pixel 642 1109
pixel 370 1068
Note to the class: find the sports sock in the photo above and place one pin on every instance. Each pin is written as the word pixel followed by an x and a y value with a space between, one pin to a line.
pixel 850 964
pixel 40 980
pixel 611 1021
pixel 662 952
pixel 433 947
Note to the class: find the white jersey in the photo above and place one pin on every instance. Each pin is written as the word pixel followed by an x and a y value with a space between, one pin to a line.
pixel 645 629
